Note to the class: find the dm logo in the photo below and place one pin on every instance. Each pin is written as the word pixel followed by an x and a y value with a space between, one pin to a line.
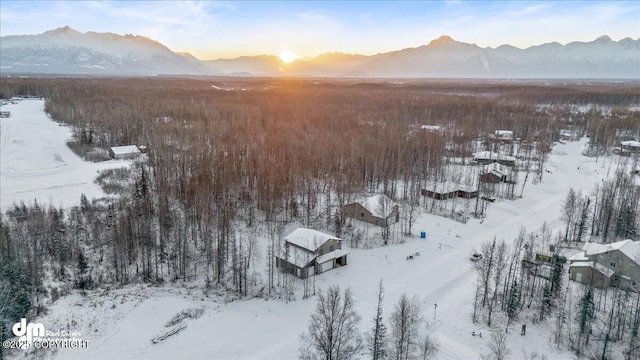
pixel 26 332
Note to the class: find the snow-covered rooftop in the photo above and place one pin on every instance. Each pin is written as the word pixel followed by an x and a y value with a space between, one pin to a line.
pixel 309 239
pixel 578 257
pixel 631 144
pixel 123 150
pixel 378 205
pixel 488 155
pixel 627 247
pixel 331 255
pixel 502 132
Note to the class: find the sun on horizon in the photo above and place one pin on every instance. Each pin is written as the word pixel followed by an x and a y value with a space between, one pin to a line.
pixel 288 56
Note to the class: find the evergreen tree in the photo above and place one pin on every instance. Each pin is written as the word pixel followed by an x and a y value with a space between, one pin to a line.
pixel 15 299
pixel 378 337
pixel 569 212
pixel 513 303
pixel 586 312
pixel 556 277
pixel 584 217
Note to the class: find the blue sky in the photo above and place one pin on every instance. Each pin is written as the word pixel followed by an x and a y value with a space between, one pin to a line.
pixel 215 29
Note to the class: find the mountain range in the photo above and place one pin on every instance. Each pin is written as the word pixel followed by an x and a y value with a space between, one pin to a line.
pixel 67 51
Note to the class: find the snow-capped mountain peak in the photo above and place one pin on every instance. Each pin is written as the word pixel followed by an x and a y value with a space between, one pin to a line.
pixel 66 50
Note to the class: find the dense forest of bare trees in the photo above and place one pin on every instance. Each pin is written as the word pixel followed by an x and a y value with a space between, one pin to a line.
pixel 260 154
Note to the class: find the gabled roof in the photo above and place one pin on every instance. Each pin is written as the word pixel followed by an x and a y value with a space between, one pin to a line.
pixel 628 247
pixel 309 239
pixel 122 150
pixel 378 205
pixel 496 169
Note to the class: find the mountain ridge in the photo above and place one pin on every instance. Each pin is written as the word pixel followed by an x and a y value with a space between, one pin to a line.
pixel 67 51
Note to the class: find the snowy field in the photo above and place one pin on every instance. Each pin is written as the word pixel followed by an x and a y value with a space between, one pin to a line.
pixel 121 323
pixel 36 163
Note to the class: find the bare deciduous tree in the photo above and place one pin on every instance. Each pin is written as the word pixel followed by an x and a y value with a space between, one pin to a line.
pixel 405 327
pixel 333 329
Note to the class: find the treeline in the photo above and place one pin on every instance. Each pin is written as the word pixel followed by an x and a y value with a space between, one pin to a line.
pixel 611 212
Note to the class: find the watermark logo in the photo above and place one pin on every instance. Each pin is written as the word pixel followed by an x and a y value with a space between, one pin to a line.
pixel 26 331
pixel 35 335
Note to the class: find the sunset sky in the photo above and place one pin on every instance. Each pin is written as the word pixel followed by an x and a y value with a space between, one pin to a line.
pixel 217 29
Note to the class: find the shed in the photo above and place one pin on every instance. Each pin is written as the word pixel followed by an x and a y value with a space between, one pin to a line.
pixel 502 135
pixel 494 173
pixel 488 157
pixel 631 146
pixel 124 152
pixel 441 191
pixel 378 210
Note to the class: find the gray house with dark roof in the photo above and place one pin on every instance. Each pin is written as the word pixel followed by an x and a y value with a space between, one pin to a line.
pixel 308 252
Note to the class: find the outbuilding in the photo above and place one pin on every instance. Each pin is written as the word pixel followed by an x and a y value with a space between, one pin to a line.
pixel 378 210
pixel 124 152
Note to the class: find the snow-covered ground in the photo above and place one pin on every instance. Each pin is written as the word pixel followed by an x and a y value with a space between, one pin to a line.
pixel 36 163
pixel 121 323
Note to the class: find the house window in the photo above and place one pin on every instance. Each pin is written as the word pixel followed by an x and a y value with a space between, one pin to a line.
pixel 612 264
pixel 361 214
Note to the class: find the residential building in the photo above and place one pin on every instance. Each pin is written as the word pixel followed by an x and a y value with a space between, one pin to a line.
pixel 603 265
pixel 308 252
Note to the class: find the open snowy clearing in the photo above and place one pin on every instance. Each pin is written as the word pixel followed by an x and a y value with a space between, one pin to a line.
pixel 120 324
pixel 36 163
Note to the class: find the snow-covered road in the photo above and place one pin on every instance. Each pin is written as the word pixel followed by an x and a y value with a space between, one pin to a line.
pixel 36 163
